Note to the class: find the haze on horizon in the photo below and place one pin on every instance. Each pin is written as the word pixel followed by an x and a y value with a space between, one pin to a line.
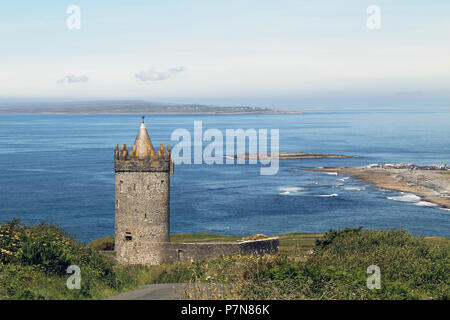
pixel 286 53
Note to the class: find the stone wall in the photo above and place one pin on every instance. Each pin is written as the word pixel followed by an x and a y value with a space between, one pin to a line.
pixel 173 251
pixel 208 250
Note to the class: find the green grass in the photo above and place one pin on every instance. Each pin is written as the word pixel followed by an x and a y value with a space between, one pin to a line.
pixel 33 262
pixel 106 243
pixel 291 243
pixel 201 237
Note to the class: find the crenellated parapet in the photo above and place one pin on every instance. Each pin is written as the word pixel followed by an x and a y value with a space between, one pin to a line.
pixel 146 161
pixel 142 157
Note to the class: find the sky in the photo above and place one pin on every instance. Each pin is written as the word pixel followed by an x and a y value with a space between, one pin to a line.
pixel 284 53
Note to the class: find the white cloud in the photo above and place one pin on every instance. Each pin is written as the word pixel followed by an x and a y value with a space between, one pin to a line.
pixel 152 75
pixel 71 78
pixel 176 70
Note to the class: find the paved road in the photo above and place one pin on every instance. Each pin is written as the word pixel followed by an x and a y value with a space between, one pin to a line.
pixel 161 291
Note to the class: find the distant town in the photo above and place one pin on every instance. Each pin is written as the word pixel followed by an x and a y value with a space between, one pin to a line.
pixel 410 166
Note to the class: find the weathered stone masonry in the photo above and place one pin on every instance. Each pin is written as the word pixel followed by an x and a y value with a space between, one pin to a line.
pixel 209 250
pixel 142 229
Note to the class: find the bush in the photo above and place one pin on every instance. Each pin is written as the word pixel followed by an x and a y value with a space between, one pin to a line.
pixel 33 257
pixel 106 243
pixel 10 239
pixel 411 268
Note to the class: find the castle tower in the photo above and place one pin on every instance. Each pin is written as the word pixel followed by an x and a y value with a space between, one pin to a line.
pixel 142 189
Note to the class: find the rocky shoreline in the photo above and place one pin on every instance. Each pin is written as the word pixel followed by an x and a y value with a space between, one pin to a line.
pixel 290 156
pixel 431 185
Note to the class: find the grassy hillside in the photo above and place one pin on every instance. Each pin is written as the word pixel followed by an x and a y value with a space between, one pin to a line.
pixel 33 263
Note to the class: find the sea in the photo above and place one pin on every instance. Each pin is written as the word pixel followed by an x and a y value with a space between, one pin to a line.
pixel 58 168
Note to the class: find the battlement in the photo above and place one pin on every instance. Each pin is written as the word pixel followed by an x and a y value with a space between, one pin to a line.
pixel 145 161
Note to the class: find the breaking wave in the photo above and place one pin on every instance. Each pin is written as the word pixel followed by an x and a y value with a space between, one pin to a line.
pixel 412 198
pixel 355 188
pixel 290 190
pixel 409 197
pixel 426 204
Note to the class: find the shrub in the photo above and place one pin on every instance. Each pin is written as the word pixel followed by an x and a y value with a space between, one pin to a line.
pixel 411 268
pixel 106 243
pixel 35 256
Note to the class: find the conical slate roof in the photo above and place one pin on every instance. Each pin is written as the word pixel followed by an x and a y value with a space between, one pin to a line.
pixel 143 142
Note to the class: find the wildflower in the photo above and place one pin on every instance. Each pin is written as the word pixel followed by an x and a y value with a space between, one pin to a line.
pixel 6 251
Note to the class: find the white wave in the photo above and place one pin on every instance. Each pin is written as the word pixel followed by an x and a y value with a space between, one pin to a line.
pixel 409 197
pixel 328 195
pixel 343 179
pixel 446 209
pixel 290 190
pixel 412 198
pixel 332 173
pixel 32 170
pixel 426 204
pixel 355 188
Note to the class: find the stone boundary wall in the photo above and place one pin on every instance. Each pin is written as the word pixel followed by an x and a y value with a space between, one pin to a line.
pixel 208 250
pixel 175 251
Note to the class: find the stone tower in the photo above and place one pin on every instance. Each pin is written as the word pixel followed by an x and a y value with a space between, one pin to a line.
pixel 142 189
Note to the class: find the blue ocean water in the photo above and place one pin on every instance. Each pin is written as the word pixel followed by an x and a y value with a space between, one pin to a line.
pixel 59 169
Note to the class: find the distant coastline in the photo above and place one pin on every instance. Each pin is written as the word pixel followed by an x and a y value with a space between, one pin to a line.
pixel 131 107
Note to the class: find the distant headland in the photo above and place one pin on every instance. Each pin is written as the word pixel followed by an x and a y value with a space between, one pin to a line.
pixel 130 107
